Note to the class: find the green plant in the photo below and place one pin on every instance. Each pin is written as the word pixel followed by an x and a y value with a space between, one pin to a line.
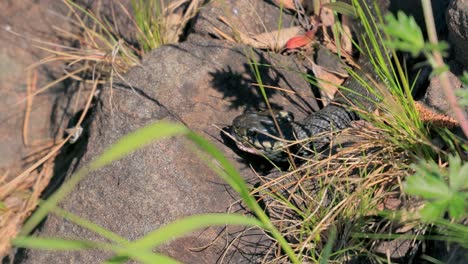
pixel 399 117
pixel 400 122
pixel 430 180
pixel 442 189
pixel 358 195
pixel 407 36
pixel 161 22
pixel 149 16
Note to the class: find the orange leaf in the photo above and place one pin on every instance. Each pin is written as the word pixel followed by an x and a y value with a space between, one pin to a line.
pixel 289 4
pixel 298 41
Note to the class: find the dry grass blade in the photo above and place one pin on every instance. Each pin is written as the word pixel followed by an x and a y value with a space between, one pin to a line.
pixel 177 22
pixel 30 88
pixel 158 23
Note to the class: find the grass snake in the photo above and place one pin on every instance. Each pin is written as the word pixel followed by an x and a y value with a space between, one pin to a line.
pixel 256 132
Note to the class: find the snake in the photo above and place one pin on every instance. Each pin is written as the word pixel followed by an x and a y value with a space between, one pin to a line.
pixel 269 133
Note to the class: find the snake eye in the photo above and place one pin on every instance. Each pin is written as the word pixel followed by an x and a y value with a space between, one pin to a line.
pixel 252 132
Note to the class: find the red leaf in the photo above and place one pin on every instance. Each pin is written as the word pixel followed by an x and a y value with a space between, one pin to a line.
pixel 297 42
pixel 289 4
pixel 301 41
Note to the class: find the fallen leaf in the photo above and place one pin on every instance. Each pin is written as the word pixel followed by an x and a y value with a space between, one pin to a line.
pixel 289 4
pixel 301 41
pixel 327 17
pixel 176 16
pixel 346 36
pixel 298 42
pixel 273 40
pixel 327 81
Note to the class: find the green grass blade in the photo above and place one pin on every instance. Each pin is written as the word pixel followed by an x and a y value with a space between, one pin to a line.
pixel 141 138
pixel 342 8
pixel 56 244
pixel 78 245
pixel 183 226
pixel 327 250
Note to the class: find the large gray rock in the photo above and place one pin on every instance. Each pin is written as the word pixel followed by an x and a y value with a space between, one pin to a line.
pixel 435 95
pixel 457 20
pixel 250 17
pixel 198 84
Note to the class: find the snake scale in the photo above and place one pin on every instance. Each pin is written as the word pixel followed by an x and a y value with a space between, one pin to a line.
pixel 257 132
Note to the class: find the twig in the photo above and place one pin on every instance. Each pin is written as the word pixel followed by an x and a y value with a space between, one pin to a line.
pixel 444 81
pixel 30 88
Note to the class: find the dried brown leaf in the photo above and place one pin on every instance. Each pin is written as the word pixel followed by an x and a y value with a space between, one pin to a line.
pixel 346 37
pixel 328 82
pixel 273 40
pixel 327 17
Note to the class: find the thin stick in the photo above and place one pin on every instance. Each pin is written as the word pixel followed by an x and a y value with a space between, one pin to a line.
pixel 444 81
pixel 30 88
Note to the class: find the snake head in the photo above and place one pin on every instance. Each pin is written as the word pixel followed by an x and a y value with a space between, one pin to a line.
pixel 257 133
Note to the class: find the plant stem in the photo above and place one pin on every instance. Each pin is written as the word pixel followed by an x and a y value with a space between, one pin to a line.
pixel 444 81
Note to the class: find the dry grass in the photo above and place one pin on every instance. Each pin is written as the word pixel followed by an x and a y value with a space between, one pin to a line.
pixel 159 23
pixel 347 188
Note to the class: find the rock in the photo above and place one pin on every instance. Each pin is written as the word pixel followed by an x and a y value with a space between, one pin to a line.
pixel 198 84
pixel 247 16
pixel 435 96
pixel 457 21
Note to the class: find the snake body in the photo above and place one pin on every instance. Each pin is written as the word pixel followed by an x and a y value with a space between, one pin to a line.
pixel 257 132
